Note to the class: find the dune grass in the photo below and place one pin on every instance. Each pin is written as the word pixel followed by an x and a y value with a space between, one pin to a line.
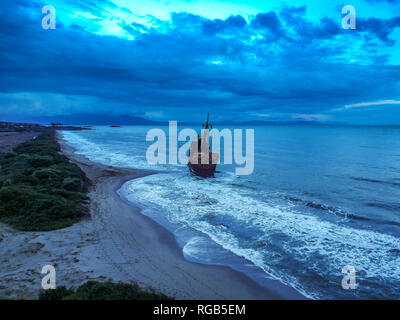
pixel 40 190
pixel 93 290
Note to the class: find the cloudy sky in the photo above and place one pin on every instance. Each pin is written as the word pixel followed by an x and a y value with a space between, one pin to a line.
pixel 175 60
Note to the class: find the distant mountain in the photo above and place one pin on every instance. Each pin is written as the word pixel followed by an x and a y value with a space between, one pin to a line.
pixel 87 119
pixel 276 123
pixel 102 119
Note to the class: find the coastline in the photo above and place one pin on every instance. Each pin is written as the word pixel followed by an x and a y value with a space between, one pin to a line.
pixel 138 249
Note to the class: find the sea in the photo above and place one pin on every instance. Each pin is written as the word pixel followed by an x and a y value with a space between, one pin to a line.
pixel 320 212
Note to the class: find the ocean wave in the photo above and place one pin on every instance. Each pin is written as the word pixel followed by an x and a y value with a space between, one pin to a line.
pixel 239 223
pixel 106 154
pixel 371 180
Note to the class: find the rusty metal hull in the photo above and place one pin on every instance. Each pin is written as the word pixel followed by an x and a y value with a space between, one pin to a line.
pixel 202 170
pixel 202 162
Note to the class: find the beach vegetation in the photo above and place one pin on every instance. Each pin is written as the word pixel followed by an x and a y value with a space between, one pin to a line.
pixel 93 290
pixel 40 189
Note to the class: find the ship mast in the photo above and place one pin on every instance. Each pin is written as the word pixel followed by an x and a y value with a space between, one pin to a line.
pixel 208 116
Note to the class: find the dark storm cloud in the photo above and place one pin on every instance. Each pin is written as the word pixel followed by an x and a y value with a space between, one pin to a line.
pixel 267 20
pixel 212 27
pixel 279 62
pixel 292 14
pixel 379 28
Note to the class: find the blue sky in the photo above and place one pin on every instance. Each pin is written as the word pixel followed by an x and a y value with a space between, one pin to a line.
pixel 176 60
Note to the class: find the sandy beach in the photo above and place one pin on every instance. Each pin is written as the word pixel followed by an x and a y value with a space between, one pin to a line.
pixel 117 243
pixel 9 140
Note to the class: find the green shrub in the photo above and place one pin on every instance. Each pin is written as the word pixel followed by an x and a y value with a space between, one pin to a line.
pixel 41 161
pixel 55 294
pixel 72 184
pixel 43 145
pixel 40 189
pixel 48 177
pixel 93 290
pixel 30 210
